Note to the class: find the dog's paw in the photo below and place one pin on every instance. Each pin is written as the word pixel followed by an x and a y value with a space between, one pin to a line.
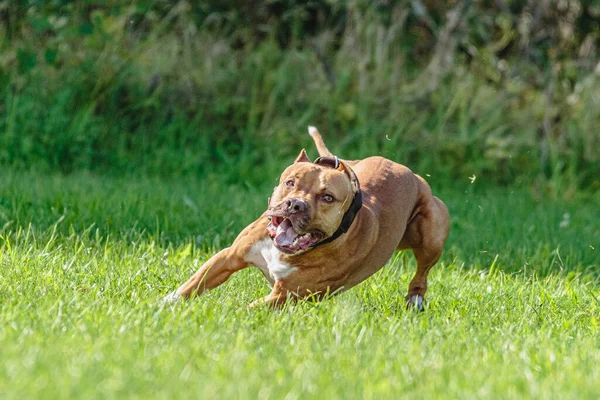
pixel 257 303
pixel 415 302
pixel 170 299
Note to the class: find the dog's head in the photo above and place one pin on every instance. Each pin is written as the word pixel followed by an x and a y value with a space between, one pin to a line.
pixel 309 204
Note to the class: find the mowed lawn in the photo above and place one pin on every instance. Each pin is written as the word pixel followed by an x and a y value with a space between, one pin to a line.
pixel 513 306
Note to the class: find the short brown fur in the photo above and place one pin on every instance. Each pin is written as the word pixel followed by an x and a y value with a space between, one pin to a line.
pixel 399 212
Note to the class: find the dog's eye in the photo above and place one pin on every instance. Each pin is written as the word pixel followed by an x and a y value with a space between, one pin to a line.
pixel 328 198
pixel 289 183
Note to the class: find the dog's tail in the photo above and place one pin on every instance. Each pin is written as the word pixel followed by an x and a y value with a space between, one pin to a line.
pixel 321 148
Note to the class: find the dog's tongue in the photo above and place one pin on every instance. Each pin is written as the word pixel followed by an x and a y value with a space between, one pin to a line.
pixel 285 234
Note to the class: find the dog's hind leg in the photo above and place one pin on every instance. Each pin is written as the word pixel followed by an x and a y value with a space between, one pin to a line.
pixel 426 236
pixel 321 148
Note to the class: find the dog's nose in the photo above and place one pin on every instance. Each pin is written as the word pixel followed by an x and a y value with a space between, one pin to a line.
pixel 295 206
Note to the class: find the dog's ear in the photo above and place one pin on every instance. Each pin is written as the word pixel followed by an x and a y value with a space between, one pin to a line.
pixel 351 175
pixel 302 157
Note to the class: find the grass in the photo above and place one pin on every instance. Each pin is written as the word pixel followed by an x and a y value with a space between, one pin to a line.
pixel 513 308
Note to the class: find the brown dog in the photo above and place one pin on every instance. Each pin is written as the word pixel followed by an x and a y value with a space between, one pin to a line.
pixel 331 224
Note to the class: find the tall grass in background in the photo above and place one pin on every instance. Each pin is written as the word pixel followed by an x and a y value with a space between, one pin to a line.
pixel 159 91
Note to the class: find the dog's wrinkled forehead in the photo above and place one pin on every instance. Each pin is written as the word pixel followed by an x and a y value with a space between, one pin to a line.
pixel 300 170
pixel 306 169
pixel 335 163
pixel 324 169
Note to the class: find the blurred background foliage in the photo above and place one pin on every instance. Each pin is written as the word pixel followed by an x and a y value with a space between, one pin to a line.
pixel 505 90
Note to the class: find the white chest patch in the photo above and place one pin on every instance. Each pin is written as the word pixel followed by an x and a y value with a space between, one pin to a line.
pixel 265 256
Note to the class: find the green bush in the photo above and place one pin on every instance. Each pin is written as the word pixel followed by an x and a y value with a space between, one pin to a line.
pixel 504 91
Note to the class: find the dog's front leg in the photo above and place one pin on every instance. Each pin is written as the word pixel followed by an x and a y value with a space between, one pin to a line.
pixel 220 266
pixel 277 298
pixel 213 273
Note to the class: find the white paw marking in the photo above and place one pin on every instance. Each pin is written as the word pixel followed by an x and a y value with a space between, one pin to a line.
pixel 171 298
pixel 416 302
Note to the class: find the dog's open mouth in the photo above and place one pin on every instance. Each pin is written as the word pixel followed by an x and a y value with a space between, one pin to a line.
pixel 287 239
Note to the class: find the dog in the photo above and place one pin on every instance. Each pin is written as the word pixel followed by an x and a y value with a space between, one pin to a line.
pixel 331 224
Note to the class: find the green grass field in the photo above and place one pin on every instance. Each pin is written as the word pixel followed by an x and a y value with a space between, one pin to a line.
pixel 513 311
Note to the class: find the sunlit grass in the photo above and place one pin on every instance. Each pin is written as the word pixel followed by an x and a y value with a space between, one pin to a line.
pixel 84 260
